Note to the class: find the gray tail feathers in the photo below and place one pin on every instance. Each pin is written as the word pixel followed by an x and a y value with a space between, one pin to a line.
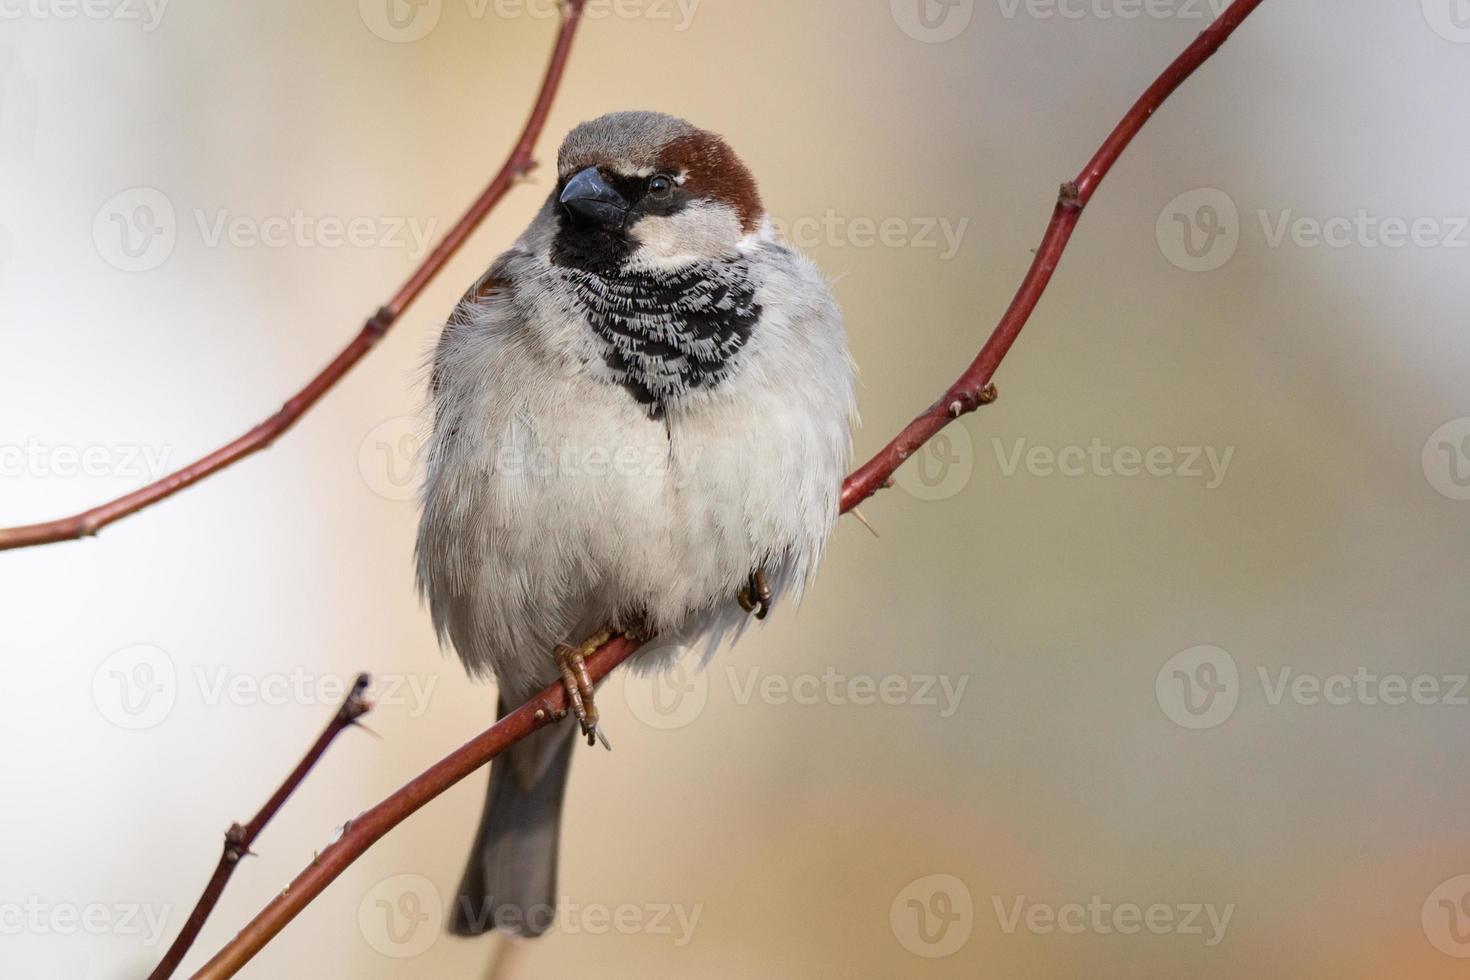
pixel 510 882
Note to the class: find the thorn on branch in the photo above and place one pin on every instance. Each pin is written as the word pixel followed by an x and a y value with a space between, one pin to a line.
pixel 380 321
pixel 967 402
pixel 355 705
pixel 522 166
pixel 237 844
pixel 864 521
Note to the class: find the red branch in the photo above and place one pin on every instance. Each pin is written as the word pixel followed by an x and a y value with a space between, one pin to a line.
pixel 519 163
pixel 965 395
pixel 366 828
pixel 968 393
pixel 238 839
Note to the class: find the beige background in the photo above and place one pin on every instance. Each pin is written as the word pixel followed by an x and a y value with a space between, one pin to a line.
pixel 798 832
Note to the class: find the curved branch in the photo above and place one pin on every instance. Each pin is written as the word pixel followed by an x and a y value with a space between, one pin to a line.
pixel 364 830
pixel 519 163
pixel 969 392
pixel 965 395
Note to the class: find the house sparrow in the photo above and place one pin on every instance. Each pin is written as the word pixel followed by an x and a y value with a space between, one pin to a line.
pixel 641 418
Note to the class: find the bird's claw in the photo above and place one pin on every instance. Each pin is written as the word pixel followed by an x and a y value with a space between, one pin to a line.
pixel 755 595
pixel 572 662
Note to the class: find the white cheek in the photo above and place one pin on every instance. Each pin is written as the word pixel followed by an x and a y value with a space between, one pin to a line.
pixel 703 229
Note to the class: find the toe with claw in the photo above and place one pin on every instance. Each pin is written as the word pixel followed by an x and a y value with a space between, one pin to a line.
pixel 572 662
pixel 755 595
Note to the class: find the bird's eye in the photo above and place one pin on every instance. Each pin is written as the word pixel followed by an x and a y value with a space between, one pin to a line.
pixel 661 185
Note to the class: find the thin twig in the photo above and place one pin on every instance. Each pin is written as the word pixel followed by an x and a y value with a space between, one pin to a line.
pixel 238 839
pixel 364 830
pixel 965 395
pixel 969 392
pixel 519 163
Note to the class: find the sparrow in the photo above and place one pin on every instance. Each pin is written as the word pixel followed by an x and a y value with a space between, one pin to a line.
pixel 641 416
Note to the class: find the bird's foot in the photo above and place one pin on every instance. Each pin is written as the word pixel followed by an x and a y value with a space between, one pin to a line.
pixel 755 595
pixel 572 662
pixel 638 630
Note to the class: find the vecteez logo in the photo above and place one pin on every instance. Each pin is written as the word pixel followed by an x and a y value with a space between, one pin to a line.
pixel 1199 687
pixel 400 21
pixel 933 916
pixel 1199 230
pixel 1450 19
pixel 1446 917
pixel 932 21
pixel 136 687
pixel 136 230
pixel 146 14
pixel 401 917
pixel 675 698
pixel 1446 459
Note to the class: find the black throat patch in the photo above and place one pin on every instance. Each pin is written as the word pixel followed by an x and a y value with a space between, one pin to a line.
pixel 667 333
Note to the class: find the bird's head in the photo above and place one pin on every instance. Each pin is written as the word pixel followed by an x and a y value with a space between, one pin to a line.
pixel 644 189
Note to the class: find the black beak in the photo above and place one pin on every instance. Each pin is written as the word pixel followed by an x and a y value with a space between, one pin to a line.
pixel 589 200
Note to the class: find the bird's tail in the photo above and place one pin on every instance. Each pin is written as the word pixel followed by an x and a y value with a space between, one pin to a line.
pixel 510 881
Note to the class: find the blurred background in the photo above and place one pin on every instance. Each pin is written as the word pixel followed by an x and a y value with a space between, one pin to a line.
pixel 1157 668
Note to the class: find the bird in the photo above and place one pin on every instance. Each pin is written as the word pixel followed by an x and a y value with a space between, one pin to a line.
pixel 640 417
